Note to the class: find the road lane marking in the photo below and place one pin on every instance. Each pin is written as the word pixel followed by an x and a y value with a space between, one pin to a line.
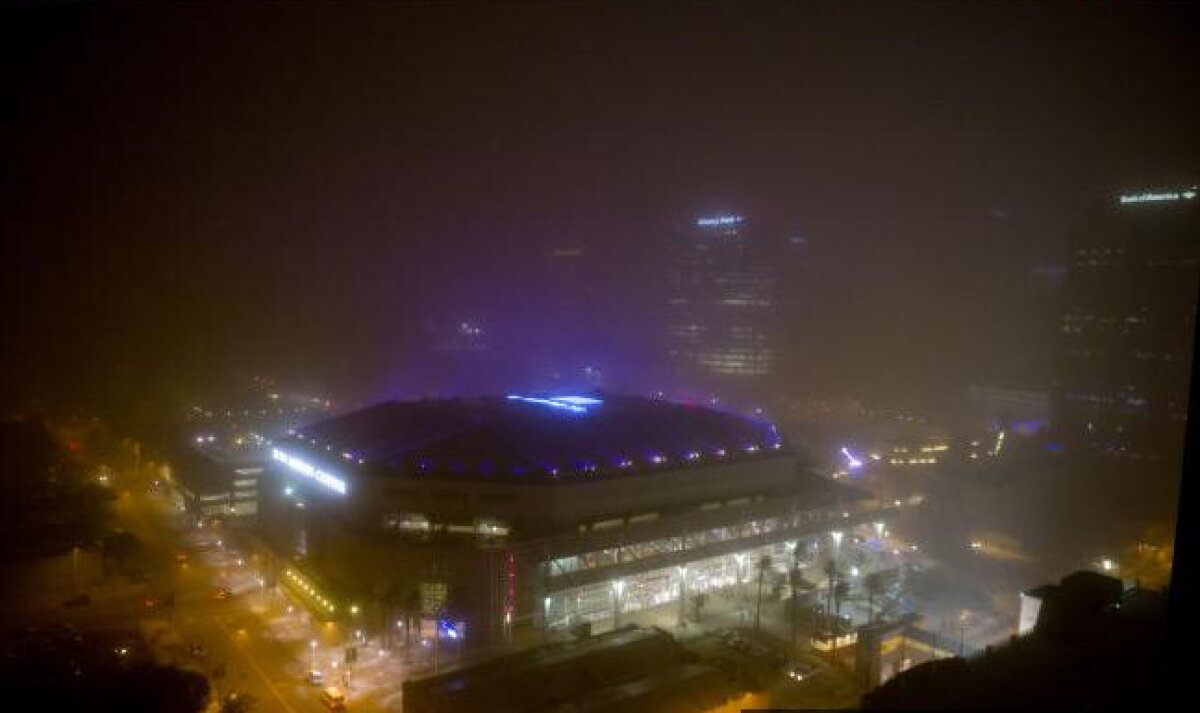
pixel 257 670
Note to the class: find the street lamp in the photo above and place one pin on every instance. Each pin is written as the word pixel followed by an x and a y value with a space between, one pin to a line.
pixel 618 587
pixel 682 572
pixel 962 624
pixel 313 646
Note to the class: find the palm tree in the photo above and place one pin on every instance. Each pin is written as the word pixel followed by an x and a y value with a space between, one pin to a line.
pixel 698 602
pixel 390 598
pixel 798 584
pixel 411 607
pixel 831 576
pixel 873 584
pixel 764 564
pixel 840 590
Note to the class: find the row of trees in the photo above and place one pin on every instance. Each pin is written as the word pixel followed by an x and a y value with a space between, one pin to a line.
pixel 838 590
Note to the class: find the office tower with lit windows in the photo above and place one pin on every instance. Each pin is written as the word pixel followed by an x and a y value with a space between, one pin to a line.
pixel 1129 313
pixel 722 302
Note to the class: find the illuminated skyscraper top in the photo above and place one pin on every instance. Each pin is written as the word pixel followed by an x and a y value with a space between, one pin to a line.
pixel 1129 316
pixel 721 301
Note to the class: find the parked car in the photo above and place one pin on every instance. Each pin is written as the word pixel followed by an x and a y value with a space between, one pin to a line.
pixel 799 671
pixel 222 593
pixel 315 678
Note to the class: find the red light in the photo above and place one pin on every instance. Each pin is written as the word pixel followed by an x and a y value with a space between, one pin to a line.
pixel 74 445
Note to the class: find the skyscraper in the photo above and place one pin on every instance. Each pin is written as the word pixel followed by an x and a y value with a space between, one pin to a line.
pixel 1129 314
pixel 722 303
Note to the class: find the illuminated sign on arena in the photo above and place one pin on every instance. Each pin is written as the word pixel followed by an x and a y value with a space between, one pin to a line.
pixel 308 470
pixel 572 404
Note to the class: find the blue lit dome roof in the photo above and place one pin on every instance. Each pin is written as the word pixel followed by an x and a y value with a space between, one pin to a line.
pixel 547 438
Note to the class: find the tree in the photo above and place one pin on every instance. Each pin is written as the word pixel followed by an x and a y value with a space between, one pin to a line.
pixel 799 583
pixel 763 564
pixel 840 590
pixel 153 688
pixel 412 613
pixel 873 584
pixel 391 600
pixel 698 602
pixel 831 576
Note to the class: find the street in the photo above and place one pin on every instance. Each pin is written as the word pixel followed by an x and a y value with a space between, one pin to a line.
pixel 255 641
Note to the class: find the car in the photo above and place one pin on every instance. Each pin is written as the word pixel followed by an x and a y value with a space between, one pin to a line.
pixel 799 671
pixel 78 601
pixel 181 557
pixel 315 678
pixel 333 698
pixel 222 593
pixel 197 651
pixel 151 602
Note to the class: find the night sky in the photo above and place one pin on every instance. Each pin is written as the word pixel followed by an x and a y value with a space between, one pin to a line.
pixel 196 192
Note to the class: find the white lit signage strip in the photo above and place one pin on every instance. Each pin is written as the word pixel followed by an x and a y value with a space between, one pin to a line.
pixel 1158 197
pixel 309 471
pixel 574 404
pixel 719 220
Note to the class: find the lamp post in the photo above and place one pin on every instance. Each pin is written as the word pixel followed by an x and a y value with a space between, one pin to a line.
pixel 618 587
pixel 962 625
pixel 313 646
pixel 742 602
pixel 794 551
pixel 836 536
pixel 682 571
